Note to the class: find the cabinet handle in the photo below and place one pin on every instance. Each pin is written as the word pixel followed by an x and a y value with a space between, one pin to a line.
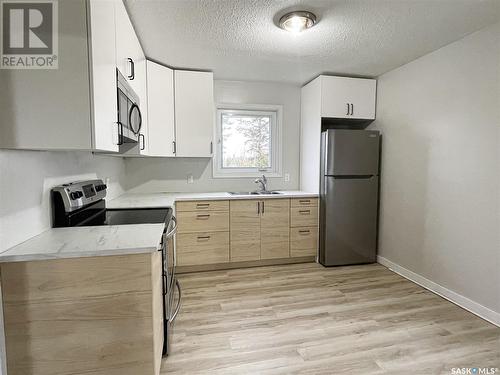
pixel 206 216
pixel 258 208
pixel 304 231
pixel 120 133
pixel 305 212
pixel 304 201
pixel 211 148
pixel 143 142
pixel 352 109
pixel 348 109
pixel 132 69
pixel 203 237
pixel 174 147
pixel 263 207
pixel 202 205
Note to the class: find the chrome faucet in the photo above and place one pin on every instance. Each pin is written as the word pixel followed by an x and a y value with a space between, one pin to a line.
pixel 263 183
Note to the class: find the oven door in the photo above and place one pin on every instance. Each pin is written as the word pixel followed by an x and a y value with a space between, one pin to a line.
pixel 169 256
pixel 171 284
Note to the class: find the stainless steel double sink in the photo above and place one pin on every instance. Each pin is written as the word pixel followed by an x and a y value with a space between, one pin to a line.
pixel 272 192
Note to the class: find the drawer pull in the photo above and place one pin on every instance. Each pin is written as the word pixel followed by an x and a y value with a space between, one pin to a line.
pixel 304 201
pixel 203 237
pixel 304 231
pixel 203 217
pixel 202 205
pixel 308 212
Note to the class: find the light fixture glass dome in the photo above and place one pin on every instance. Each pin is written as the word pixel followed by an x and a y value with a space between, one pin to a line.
pixel 296 22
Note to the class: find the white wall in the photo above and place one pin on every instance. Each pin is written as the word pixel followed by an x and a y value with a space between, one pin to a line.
pixel 170 174
pixel 440 185
pixel 26 178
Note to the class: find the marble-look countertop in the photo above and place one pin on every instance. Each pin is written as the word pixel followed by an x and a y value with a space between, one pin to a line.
pixel 154 200
pixel 77 242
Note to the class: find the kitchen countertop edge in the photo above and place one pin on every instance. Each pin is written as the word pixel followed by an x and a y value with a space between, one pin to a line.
pixel 168 199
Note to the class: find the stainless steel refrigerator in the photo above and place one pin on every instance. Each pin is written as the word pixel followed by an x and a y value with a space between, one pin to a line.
pixel 348 196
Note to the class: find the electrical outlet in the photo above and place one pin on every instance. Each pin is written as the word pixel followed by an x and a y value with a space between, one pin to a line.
pixel 287 177
pixel 190 179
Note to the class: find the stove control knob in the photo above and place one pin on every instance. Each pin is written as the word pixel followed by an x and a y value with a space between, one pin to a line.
pixel 75 195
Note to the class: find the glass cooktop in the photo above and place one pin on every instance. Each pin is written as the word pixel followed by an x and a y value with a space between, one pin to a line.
pixel 137 216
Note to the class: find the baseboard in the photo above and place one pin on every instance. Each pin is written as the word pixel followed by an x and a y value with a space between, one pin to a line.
pixel 254 263
pixel 464 302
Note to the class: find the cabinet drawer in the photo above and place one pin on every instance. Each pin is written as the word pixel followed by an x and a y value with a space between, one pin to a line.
pixel 202 206
pixel 211 221
pixel 303 241
pixel 304 202
pixel 304 216
pixel 202 248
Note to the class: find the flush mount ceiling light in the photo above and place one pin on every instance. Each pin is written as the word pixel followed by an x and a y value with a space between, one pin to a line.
pixel 298 21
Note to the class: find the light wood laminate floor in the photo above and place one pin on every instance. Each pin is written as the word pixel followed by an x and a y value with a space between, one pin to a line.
pixel 307 319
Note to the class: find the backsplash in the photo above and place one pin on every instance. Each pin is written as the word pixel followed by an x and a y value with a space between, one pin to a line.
pixel 28 176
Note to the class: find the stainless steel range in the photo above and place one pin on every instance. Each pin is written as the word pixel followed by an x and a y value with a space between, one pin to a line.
pixel 82 203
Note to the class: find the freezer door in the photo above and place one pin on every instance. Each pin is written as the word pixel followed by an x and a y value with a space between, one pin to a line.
pixel 351 152
pixel 348 229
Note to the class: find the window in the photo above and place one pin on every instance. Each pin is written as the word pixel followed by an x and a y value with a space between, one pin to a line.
pixel 248 141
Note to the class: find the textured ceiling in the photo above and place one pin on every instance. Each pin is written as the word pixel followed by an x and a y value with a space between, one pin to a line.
pixel 238 39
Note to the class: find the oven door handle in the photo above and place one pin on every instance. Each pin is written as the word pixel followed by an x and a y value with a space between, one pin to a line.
pixel 178 306
pixel 173 230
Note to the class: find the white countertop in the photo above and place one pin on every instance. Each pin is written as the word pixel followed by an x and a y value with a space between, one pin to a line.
pixel 152 200
pixel 77 242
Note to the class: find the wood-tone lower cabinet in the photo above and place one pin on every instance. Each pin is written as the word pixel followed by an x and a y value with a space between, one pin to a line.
pixel 96 315
pixel 304 216
pixel 259 229
pixel 202 248
pixel 304 202
pixel 303 227
pixel 303 241
pixel 210 221
pixel 245 230
pixel 198 206
pixel 203 232
pixel 274 229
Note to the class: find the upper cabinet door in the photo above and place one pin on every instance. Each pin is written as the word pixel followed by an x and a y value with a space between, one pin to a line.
pixel 142 91
pixel 103 76
pixel 126 43
pixel 344 97
pixel 161 127
pixel 194 113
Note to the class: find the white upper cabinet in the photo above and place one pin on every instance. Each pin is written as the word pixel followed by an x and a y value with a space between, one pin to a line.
pixel 128 48
pixel 103 75
pixel 194 113
pixel 161 126
pixel 345 97
pixel 142 92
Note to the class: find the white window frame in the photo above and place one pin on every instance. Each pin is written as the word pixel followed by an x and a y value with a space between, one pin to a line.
pixel 276 141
